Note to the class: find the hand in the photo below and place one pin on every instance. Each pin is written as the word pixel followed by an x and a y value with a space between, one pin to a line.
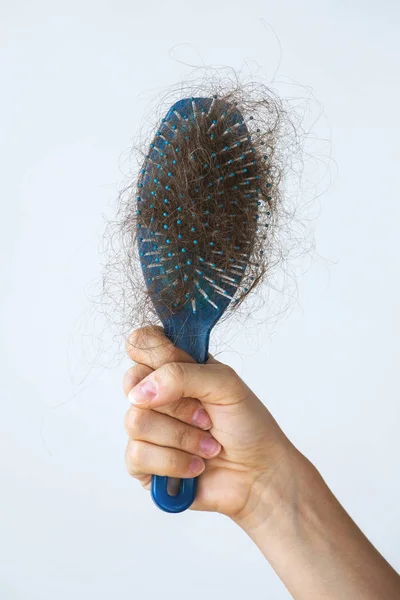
pixel 188 420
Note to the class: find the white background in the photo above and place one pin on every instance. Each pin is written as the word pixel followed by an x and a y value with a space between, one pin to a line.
pixel 76 78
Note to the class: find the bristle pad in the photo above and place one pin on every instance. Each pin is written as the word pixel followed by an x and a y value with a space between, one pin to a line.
pixel 197 210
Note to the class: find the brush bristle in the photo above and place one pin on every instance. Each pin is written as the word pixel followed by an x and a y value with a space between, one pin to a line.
pixel 204 201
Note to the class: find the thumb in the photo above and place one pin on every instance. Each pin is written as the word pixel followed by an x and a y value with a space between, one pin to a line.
pixel 212 383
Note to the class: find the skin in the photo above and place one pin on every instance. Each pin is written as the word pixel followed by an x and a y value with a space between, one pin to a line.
pixel 191 420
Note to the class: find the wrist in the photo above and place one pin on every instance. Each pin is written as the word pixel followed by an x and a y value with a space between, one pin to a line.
pixel 275 493
pixel 310 540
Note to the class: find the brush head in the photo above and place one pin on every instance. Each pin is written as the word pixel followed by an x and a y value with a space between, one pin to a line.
pixel 203 208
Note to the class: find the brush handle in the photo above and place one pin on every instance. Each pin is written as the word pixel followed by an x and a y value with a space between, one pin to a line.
pixel 194 343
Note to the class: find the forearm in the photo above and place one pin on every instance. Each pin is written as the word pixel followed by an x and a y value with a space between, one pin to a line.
pixel 312 543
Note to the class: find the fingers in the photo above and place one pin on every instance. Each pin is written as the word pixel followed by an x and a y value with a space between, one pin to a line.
pixel 211 383
pixel 151 347
pixel 171 440
pixel 187 410
pixel 162 430
pixel 143 458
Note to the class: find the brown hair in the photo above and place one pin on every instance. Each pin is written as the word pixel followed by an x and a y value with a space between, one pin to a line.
pixel 245 223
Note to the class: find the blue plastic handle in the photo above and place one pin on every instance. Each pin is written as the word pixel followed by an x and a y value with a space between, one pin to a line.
pixel 173 504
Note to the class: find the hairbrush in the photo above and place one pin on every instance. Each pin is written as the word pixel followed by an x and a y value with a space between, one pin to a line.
pixel 202 207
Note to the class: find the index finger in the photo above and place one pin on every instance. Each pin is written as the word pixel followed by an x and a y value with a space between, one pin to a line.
pixel 150 346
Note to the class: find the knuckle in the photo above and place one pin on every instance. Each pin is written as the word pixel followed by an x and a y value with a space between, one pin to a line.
pixel 143 336
pixel 229 383
pixel 229 372
pixel 133 341
pixel 137 421
pixel 230 378
pixel 134 421
pixel 128 421
pixel 136 455
pixel 173 463
pixel 182 437
pixel 178 408
pixel 130 459
pixel 139 340
pixel 174 372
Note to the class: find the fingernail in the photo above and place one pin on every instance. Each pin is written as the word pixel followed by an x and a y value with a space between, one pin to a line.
pixel 210 446
pixel 196 465
pixel 142 393
pixel 201 419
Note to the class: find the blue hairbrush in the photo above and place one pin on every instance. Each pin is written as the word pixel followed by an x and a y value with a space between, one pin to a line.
pixel 203 206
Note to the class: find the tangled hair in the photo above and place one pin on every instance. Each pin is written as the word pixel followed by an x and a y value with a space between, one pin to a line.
pixel 243 229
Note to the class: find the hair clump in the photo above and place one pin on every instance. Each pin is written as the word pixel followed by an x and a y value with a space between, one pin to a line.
pixel 219 188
